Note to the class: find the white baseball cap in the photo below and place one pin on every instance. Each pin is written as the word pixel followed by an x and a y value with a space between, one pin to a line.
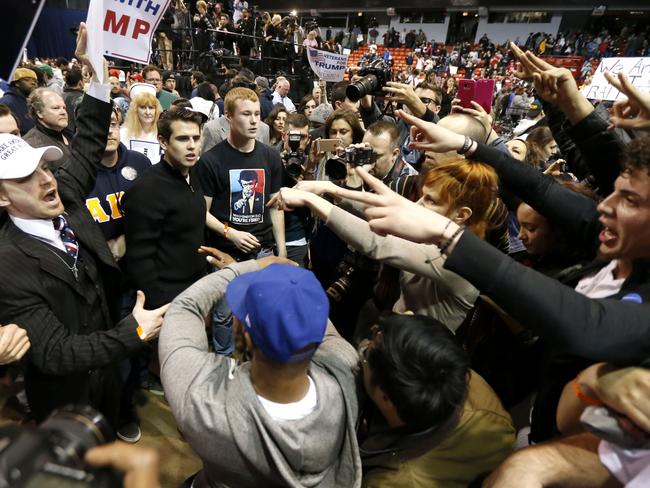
pixel 205 107
pixel 138 88
pixel 18 159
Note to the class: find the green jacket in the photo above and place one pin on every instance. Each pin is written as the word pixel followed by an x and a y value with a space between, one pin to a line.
pixel 483 437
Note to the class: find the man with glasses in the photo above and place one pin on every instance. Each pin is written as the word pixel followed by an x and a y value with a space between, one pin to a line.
pixel 424 101
pixel 152 75
pixel 120 167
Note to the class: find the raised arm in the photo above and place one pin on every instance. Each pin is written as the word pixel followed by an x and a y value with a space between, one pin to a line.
pixel 183 344
pixel 599 148
pixel 576 214
pixel 420 259
pixel 602 330
pixel 77 175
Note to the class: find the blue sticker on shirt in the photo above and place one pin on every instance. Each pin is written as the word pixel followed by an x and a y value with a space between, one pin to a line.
pixel 632 297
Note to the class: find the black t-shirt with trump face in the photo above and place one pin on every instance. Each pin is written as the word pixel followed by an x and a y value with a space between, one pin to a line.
pixel 241 185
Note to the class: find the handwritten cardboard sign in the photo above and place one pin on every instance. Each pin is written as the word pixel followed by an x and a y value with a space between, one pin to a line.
pixel 122 29
pixel 636 69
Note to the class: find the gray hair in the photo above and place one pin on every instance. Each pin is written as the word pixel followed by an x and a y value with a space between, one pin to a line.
pixel 35 102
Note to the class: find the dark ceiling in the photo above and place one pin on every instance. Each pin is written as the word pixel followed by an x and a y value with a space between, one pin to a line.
pixel 286 5
pixel 455 4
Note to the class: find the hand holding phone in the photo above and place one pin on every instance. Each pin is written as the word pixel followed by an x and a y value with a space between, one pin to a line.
pixel 327 145
pixel 466 91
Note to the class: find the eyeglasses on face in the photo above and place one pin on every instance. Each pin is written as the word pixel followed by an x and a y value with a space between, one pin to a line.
pixel 427 101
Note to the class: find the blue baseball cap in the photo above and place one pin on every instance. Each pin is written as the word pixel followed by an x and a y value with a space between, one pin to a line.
pixel 283 308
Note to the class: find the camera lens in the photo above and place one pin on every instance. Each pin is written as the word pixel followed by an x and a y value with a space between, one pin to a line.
pixel 362 87
pixel 336 169
pixel 78 429
pixel 293 167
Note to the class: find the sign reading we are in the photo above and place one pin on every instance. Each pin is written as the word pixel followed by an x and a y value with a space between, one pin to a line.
pixel 636 69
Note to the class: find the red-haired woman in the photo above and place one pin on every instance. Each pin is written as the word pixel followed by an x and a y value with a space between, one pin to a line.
pixel 463 191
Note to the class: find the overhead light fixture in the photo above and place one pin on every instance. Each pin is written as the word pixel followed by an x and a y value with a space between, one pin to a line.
pixel 360 14
pixel 475 15
pixel 294 13
pixel 465 14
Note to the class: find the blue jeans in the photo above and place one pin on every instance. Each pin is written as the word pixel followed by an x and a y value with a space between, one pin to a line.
pixel 222 318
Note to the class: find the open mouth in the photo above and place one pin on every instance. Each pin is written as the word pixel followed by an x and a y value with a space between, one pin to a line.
pixel 51 196
pixel 607 235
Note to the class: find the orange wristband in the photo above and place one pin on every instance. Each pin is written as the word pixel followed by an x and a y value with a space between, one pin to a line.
pixel 226 228
pixel 140 333
pixel 586 399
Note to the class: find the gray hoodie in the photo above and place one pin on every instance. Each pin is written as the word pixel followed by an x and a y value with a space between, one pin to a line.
pixel 221 417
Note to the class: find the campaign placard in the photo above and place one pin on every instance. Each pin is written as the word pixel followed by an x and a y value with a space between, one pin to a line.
pixel 122 29
pixel 326 65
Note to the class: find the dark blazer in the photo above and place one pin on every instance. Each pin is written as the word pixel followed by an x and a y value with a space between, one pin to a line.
pixel 70 324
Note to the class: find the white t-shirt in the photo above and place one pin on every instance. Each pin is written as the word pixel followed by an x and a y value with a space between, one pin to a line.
pixel 292 411
pixel 601 284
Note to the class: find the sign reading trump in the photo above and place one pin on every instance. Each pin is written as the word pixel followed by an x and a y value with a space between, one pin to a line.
pixel 327 66
pixel 123 28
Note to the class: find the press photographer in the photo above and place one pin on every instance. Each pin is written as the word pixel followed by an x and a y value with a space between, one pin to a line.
pixel 294 151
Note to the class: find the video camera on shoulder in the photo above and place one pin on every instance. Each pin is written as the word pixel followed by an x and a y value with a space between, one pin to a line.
pixel 294 159
pixel 336 167
pixel 51 455
pixel 374 77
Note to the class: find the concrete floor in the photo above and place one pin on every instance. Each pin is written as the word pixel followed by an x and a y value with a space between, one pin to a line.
pixel 177 459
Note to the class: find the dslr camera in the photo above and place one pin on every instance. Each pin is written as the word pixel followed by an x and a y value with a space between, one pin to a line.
pixel 52 454
pixel 374 77
pixel 293 160
pixel 336 168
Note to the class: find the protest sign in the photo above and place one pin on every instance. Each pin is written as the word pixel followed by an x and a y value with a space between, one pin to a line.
pixel 122 29
pixel 327 66
pixel 148 148
pixel 636 69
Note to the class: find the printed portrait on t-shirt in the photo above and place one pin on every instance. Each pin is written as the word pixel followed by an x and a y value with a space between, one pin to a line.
pixel 246 196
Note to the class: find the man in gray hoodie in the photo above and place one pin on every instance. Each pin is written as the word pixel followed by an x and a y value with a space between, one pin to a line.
pixel 287 416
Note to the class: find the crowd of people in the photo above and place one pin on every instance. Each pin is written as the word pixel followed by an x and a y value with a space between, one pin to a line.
pixel 333 290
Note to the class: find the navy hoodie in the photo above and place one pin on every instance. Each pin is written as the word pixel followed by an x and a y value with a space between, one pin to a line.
pixel 103 202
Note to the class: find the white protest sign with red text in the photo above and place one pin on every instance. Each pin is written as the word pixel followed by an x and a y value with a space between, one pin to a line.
pixel 123 29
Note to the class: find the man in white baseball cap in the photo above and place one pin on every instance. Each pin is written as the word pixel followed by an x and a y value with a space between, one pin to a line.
pixel 18 159
pixel 61 283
